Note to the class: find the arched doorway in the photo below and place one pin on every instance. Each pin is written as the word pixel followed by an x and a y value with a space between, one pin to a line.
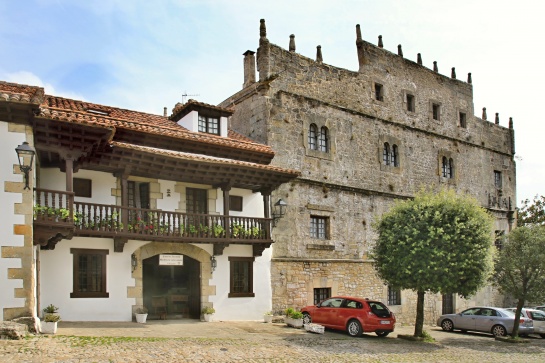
pixel 171 286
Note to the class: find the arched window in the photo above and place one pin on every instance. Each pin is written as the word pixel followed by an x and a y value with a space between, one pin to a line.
pixel 445 167
pixel 386 154
pixel 394 158
pixel 323 141
pixel 312 137
pixel 451 168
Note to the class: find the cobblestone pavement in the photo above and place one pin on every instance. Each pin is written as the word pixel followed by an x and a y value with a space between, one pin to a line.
pixel 193 341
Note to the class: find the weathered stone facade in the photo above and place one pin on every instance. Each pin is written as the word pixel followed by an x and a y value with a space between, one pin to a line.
pixel 390 100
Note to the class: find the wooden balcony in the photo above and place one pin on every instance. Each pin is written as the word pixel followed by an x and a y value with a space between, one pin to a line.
pixel 57 216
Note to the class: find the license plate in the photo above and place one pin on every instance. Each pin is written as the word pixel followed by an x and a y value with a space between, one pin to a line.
pixel 385 322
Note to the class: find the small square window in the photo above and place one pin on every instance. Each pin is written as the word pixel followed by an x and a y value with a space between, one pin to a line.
pixel 319 227
pixel 241 277
pixel 497 179
pixel 321 293
pixel 463 120
pixel 436 111
pixel 209 125
pixel 410 102
pixel 394 296
pixel 82 187
pixel 379 92
pixel 235 203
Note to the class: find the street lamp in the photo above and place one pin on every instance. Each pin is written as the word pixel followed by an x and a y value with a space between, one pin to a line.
pixel 279 210
pixel 213 263
pixel 23 152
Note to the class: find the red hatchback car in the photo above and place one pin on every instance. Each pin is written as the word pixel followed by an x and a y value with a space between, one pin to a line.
pixel 353 314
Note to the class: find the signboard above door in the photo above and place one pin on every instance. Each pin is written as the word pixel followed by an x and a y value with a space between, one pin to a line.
pixel 171 260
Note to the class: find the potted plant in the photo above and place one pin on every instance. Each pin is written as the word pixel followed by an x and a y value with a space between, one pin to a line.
pixel 141 315
pixel 51 318
pixel 294 318
pixel 207 312
pixel 267 317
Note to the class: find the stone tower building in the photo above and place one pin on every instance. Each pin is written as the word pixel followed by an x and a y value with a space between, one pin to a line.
pixel 361 140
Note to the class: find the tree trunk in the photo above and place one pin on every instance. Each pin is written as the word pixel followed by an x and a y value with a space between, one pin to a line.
pixel 419 323
pixel 515 331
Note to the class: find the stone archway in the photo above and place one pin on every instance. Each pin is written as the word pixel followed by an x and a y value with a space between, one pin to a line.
pixel 156 248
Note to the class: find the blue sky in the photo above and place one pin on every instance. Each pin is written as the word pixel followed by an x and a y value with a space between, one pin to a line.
pixel 144 55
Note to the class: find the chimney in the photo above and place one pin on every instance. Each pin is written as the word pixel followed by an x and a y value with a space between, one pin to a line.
pixel 319 57
pixel 419 58
pixel 263 52
pixel 292 43
pixel 165 111
pixel 249 68
pixel 359 46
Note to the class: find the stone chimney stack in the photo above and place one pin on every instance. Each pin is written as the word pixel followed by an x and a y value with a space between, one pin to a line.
pixel 263 52
pixel 165 112
pixel 249 68
pixel 319 57
pixel 359 46
pixel 292 43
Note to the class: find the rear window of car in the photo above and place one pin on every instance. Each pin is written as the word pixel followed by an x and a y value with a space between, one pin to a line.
pixel 507 313
pixel 379 309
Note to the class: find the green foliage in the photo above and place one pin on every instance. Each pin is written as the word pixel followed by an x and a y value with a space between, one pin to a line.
pixel 142 310
pixel 208 310
pixel 437 242
pixel 50 309
pixel 532 213
pixel 52 318
pixel 294 314
pixel 520 265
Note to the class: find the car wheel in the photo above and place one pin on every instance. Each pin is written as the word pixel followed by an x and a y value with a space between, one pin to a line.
pixel 353 328
pixel 499 331
pixel 306 318
pixel 382 334
pixel 447 325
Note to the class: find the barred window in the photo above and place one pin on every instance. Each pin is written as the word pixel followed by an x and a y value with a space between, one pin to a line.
pixel 447 168
pixel 390 155
pixel 497 179
pixel 318 227
pixel 313 137
pixel 386 154
pixel 394 156
pixel 324 139
pixel 89 273
pixel 241 277
pixel 321 293
pixel 209 125
pixel 394 296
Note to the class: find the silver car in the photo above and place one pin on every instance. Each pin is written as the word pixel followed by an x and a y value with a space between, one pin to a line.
pixel 538 316
pixel 496 321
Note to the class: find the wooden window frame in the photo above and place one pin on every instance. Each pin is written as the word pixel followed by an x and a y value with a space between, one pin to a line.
pixel 394 296
pixel 232 262
pixel 234 201
pixel 76 252
pixel 321 294
pixel 315 232
pixel 83 187
pixel 209 125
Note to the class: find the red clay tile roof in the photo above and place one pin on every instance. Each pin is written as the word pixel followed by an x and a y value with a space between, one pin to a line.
pixel 182 109
pixel 203 158
pixel 20 93
pixel 63 109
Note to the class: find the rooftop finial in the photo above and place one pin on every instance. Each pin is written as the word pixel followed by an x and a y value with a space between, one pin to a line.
pixel 292 43
pixel 419 58
pixel 453 73
pixel 469 78
pixel 510 122
pixel 435 69
pixel 358 34
pixel 359 48
pixel 497 120
pixel 399 50
pixel 484 114
pixel 380 45
pixel 319 58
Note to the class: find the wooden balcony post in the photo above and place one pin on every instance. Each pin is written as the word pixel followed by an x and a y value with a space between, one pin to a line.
pixel 225 189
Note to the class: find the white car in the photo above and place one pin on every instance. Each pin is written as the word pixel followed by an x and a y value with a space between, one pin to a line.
pixel 538 316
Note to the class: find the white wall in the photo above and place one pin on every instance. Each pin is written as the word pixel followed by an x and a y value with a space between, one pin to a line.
pixel 242 308
pixel 252 203
pixel 56 281
pixel 168 203
pixel 102 184
pixel 8 161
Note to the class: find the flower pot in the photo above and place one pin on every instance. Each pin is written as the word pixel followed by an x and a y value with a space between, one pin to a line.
pixel 295 323
pixel 141 318
pixel 207 317
pixel 48 327
pixel 267 318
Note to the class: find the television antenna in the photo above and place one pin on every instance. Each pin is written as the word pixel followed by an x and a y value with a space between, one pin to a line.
pixel 185 95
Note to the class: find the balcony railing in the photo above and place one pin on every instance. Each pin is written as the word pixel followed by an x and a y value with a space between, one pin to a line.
pixel 103 220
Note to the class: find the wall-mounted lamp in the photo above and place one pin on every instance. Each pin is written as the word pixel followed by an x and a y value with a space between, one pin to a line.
pixel 23 151
pixel 134 262
pixel 213 263
pixel 279 210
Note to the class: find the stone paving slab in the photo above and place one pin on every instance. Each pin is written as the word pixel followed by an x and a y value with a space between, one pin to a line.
pixel 194 341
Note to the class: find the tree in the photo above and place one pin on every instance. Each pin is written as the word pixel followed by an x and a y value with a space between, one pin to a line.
pixel 532 213
pixel 519 267
pixel 437 243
